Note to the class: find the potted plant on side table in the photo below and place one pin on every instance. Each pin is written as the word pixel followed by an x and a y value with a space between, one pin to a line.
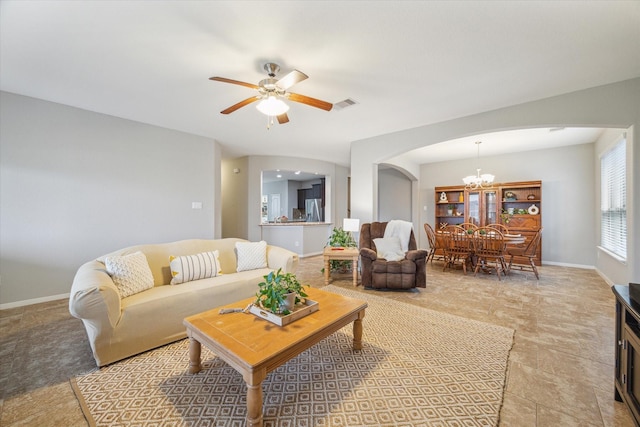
pixel 342 239
pixel 279 292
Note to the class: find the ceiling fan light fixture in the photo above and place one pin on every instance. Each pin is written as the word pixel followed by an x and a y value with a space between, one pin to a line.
pixel 272 106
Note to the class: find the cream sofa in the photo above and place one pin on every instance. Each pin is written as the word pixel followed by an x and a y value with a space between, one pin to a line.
pixel 121 327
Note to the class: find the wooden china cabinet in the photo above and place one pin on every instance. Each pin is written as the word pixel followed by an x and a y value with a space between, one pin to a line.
pixel 517 205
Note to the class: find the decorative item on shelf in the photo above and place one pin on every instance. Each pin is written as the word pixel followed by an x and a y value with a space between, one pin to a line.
pixel 272 292
pixel 522 211
pixel 450 209
pixel 533 210
pixel 478 181
pixel 510 196
pixel 443 225
pixel 461 197
pixel 443 198
pixel 531 197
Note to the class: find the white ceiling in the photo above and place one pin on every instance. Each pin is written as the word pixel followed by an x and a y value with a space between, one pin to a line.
pixel 407 64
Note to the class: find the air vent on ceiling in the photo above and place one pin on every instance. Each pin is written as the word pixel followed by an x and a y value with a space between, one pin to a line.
pixel 344 104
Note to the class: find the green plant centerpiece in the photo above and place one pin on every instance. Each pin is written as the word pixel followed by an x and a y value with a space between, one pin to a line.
pixel 342 239
pixel 273 292
pixel 506 216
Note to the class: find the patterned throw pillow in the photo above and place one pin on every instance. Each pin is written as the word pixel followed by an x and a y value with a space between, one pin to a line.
pixel 194 267
pixel 130 273
pixel 251 255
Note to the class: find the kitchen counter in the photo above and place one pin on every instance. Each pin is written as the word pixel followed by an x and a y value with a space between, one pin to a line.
pixel 304 238
pixel 293 223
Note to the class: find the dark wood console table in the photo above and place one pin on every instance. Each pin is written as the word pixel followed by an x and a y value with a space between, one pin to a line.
pixel 627 369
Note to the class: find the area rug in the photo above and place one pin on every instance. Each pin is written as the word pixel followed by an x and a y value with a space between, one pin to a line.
pixel 418 367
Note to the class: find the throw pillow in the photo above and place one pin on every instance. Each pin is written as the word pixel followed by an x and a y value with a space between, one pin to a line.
pixel 194 267
pixel 389 248
pixel 130 273
pixel 251 255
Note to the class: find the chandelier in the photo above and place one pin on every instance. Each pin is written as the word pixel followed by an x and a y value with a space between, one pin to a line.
pixel 478 181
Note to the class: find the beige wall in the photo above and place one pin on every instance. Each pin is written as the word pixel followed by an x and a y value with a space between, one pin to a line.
pixel 75 185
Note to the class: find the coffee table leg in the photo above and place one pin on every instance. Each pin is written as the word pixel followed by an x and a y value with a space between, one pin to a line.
pixel 357 331
pixel 194 356
pixel 326 270
pixel 254 379
pixel 354 267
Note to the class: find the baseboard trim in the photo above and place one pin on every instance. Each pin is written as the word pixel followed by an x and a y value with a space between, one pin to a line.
pixel 33 301
pixel 564 264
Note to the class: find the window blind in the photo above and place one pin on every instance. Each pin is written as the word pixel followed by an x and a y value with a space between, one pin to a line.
pixel 613 200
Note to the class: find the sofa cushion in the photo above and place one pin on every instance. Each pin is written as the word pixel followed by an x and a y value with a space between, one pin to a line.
pixel 251 255
pixel 194 267
pixel 389 248
pixel 130 273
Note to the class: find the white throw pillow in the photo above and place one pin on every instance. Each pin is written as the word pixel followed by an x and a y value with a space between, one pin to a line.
pixel 194 267
pixel 251 255
pixel 130 273
pixel 389 248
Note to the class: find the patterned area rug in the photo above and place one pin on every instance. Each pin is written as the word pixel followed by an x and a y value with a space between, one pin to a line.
pixel 418 367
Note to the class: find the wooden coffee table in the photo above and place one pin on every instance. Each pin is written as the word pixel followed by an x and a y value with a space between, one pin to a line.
pixel 254 346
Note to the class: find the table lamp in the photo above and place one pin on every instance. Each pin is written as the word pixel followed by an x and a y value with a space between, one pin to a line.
pixel 351 225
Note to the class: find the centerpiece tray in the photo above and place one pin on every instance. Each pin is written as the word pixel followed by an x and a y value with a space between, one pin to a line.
pixel 300 310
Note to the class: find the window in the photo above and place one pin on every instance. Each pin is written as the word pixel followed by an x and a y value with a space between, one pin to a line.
pixel 613 200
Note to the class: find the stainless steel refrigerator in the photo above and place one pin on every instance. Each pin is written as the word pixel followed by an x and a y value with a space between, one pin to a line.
pixel 314 210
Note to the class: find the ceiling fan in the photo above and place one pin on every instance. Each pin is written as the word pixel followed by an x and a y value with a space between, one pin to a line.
pixel 272 91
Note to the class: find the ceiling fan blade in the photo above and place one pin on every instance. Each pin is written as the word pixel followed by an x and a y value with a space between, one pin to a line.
pixel 283 118
pixel 323 105
pixel 240 105
pixel 235 82
pixel 290 79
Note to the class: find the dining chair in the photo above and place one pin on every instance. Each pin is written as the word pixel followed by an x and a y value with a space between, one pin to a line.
pixel 431 237
pixel 489 248
pixel 458 247
pixel 469 226
pixel 529 251
pixel 500 227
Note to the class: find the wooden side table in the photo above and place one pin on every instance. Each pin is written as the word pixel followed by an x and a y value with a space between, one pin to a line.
pixel 331 253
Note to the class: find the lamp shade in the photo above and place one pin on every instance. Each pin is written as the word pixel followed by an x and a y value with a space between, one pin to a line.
pixel 272 106
pixel 351 224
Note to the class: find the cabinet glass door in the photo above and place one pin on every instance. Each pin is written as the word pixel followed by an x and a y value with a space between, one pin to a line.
pixel 491 207
pixel 473 207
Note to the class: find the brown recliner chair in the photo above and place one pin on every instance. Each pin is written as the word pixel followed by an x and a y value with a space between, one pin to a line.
pixel 378 273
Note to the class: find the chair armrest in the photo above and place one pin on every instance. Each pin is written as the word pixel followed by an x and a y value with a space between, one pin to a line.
pixel 369 254
pixel 94 297
pixel 285 259
pixel 416 254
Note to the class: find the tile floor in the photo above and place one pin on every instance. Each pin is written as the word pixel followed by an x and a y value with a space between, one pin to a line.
pixel 560 369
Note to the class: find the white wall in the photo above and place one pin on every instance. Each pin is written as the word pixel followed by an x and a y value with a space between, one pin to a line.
pixel 76 184
pixel 615 105
pixel 394 195
pixel 567 195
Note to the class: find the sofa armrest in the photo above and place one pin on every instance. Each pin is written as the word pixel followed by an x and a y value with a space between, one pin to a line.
pixel 94 297
pixel 369 254
pixel 285 259
pixel 416 254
